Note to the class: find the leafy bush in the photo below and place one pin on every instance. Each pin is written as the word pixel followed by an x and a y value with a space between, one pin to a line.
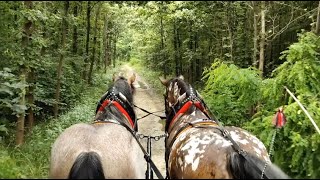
pixel 231 92
pixel 297 146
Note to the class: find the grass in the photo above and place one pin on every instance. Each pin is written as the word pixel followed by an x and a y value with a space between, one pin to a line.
pixel 31 160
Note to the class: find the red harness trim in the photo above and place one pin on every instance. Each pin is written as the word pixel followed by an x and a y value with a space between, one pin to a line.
pixel 120 108
pixel 279 120
pixel 185 108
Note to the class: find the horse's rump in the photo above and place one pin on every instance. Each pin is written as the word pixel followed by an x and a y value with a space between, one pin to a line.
pixel 111 145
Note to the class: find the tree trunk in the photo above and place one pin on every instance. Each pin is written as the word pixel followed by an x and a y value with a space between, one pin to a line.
pixel 255 35
pixel 75 31
pixel 21 116
pixel 262 39
pixel 100 49
pixel 109 39
pixel 318 20
pixel 105 43
pixel 198 62
pixel 86 59
pixel 94 46
pixel 30 98
pixel 190 74
pixel 27 30
pixel 175 46
pixel 114 50
pixel 60 65
pixel 44 33
pixel 179 51
pixel 162 43
pixel 230 26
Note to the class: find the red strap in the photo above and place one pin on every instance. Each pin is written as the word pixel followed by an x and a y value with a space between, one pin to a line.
pixel 185 108
pixel 120 108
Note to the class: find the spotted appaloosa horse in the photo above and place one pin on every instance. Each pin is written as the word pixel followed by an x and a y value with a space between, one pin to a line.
pixel 106 148
pixel 196 146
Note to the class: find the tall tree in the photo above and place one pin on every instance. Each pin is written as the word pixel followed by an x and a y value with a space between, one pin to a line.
pixel 75 30
pixel 94 45
pixel 27 32
pixel 162 40
pixel 262 37
pixel 106 42
pixel 86 59
pixel 255 33
pixel 64 29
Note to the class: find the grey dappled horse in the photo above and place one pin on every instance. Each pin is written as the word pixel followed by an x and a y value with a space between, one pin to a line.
pixel 105 148
pixel 196 147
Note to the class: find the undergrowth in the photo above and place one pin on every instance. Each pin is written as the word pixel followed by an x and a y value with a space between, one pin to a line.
pixel 31 160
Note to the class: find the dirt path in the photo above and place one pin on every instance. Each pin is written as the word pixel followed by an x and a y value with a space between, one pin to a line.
pixel 147 99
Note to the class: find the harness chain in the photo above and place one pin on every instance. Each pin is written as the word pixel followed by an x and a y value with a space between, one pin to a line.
pixel 270 151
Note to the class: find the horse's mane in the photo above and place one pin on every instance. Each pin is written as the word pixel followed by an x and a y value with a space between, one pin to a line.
pixel 185 87
pixel 122 86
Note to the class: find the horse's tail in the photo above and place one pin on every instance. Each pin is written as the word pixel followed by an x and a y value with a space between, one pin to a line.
pixel 251 167
pixel 87 166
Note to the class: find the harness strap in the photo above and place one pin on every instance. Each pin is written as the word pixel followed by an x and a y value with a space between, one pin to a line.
pixel 161 117
pixel 236 147
pixel 146 155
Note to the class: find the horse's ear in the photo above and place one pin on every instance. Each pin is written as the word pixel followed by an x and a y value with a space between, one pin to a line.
pixel 164 81
pixel 181 77
pixel 132 78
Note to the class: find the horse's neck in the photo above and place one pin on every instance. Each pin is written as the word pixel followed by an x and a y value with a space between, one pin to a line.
pixel 193 114
pixel 112 113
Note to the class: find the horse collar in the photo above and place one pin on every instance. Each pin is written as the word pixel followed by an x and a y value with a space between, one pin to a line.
pixel 185 107
pixel 117 99
pixel 192 99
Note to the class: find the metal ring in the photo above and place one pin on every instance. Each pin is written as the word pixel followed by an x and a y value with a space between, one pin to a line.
pixel 141 136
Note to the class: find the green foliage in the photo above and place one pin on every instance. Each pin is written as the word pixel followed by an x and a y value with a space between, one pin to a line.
pixel 297 144
pixel 231 92
pixel 8 166
pixel 31 160
pixel 10 88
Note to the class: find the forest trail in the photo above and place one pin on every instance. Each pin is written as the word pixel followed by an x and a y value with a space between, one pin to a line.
pixel 146 98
